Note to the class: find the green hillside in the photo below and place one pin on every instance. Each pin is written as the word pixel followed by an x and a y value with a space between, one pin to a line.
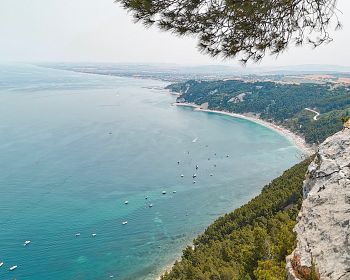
pixel 251 242
pixel 283 104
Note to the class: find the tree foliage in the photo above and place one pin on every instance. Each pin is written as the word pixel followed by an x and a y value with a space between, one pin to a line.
pixel 248 28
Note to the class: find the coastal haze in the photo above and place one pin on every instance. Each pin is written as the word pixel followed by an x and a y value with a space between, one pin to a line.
pixel 76 146
pixel 101 31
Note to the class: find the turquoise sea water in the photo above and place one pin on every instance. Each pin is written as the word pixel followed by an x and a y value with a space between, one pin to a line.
pixel 74 147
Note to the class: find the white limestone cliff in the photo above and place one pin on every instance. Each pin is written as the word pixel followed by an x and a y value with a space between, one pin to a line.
pixel 323 226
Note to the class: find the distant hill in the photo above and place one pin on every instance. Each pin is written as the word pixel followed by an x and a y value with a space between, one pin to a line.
pixel 309 109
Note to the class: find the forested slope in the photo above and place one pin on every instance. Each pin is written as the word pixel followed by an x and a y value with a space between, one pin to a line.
pixel 251 242
pixel 283 104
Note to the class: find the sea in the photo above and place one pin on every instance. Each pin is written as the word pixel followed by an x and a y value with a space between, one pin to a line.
pixel 108 179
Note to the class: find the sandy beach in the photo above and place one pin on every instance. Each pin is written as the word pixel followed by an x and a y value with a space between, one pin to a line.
pixel 295 139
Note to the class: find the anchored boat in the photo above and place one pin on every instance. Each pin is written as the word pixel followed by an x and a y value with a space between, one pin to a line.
pixel 13 267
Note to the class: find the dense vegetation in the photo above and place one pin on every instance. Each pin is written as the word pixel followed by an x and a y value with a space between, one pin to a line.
pixel 251 242
pixel 281 103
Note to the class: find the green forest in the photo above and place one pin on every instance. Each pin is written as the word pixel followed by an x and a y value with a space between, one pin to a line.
pixel 283 104
pixel 251 242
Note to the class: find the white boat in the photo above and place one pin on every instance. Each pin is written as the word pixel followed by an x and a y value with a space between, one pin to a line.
pixel 197 167
pixel 150 206
pixel 27 242
pixel 125 222
pixel 194 175
pixel 174 191
pixel 126 202
pixel 77 234
pixel 13 267
pixel 1 264
pixel 93 235
pixel 195 140
pixel 163 192
pixel 182 175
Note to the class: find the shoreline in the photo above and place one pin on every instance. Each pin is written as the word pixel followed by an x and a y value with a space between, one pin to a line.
pixel 293 138
pixel 167 268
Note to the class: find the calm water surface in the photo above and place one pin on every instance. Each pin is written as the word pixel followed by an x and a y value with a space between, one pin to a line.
pixel 74 147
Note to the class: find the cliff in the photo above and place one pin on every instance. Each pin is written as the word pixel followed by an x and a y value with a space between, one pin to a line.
pixel 323 225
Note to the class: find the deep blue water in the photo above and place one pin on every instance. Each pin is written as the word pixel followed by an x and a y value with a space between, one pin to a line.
pixel 74 147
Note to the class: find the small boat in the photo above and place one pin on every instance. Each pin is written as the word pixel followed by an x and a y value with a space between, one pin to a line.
pixel 126 202
pixel 178 162
pixel 146 197
pixel 197 167
pixel 13 267
pixel 125 222
pixel 194 175
pixel 77 234
pixel 27 242
pixel 174 191
pixel 227 156
pixel 211 175
pixel 150 206
pixel 93 235
pixel 182 175
pixel 1 264
pixel 163 192
pixel 195 140
pixel 194 182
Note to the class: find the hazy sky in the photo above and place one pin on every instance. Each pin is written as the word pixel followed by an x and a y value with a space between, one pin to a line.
pixel 100 31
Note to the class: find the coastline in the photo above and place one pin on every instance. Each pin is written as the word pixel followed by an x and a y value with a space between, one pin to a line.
pixel 293 138
pixel 167 268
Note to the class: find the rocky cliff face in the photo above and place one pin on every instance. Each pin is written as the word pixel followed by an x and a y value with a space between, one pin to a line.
pixel 323 227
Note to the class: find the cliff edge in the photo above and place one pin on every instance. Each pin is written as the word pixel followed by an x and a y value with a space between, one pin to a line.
pixel 323 225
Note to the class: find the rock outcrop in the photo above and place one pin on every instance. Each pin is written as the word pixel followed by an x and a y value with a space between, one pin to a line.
pixel 323 226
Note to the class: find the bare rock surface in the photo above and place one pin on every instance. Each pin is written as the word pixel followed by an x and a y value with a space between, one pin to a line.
pixel 323 226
